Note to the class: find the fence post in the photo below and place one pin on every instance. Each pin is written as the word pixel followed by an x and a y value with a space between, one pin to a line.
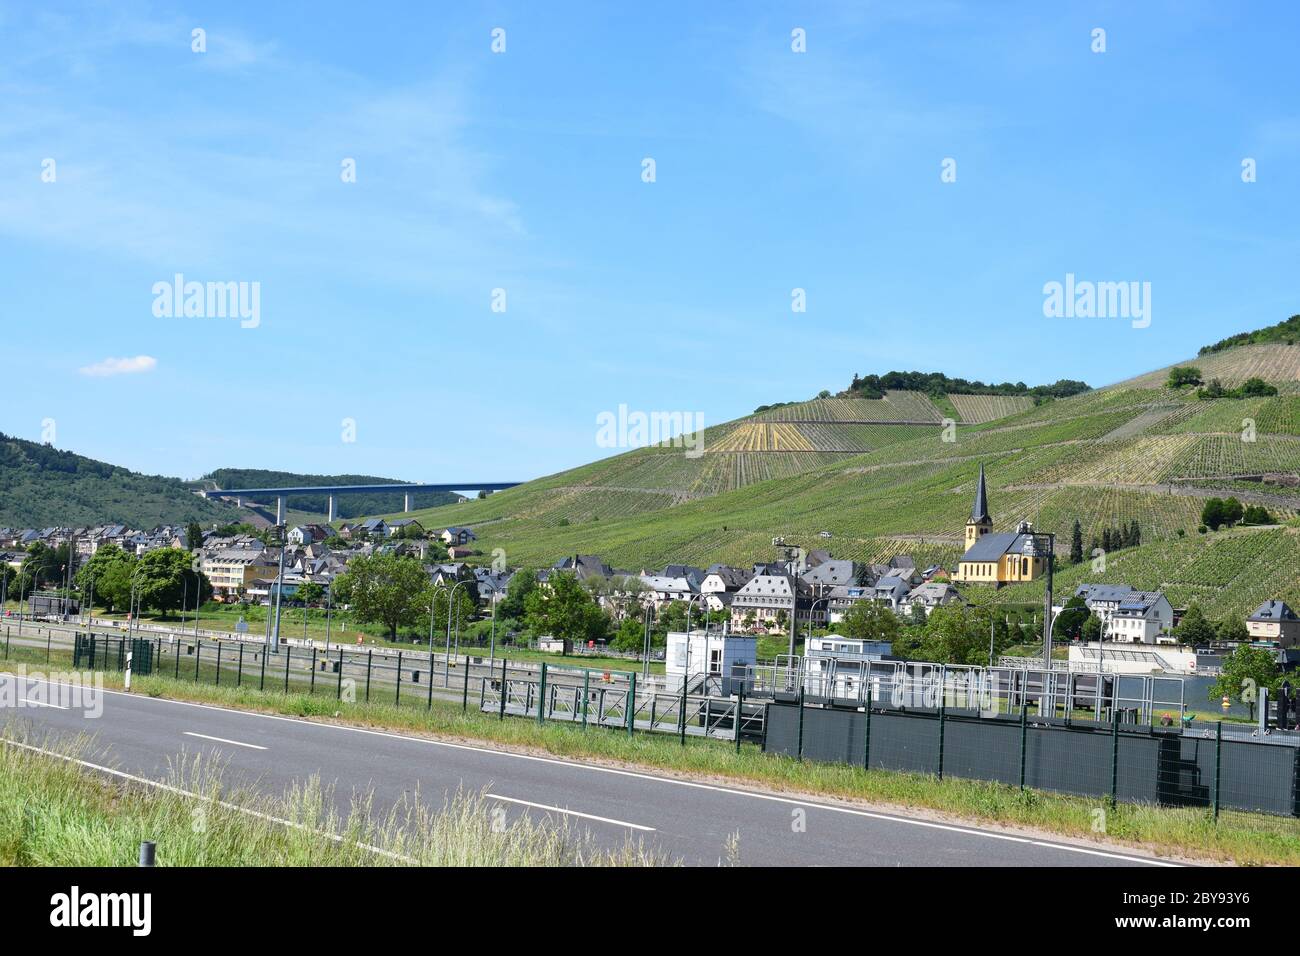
pixel 684 678
pixel 631 705
pixel 261 685
pixel 312 685
pixel 541 695
pixel 1024 736
pixel 49 636
pixel 586 695
pixel 866 732
pixel 370 654
pixel 397 699
pixel 740 704
pixel 338 690
pixel 428 705
pixel 218 663
pixel 288 654
pixel 1114 758
pixel 6 642
pixel 503 689
pixel 198 655
pixel 464 695
pixel 1218 762
pixel 239 666
pixel 799 753
pixel 942 722
pixel 176 652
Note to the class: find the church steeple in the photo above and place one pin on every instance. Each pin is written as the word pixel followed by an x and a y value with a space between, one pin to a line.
pixel 980 511
pixel 980 523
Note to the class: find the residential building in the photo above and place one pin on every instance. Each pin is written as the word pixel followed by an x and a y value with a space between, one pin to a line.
pixel 770 602
pixel 1143 617
pixel 1274 621
pixel 928 597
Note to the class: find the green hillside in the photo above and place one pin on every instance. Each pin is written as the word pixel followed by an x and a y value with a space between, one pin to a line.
pixel 41 486
pixel 879 475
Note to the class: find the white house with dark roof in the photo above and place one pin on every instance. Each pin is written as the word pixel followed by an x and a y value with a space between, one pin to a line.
pixel 1143 617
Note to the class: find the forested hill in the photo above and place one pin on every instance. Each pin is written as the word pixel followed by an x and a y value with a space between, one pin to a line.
pixel 42 486
pixel 936 383
pixel 1286 332
pixel 349 506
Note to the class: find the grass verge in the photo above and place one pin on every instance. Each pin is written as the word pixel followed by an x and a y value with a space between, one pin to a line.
pixel 54 812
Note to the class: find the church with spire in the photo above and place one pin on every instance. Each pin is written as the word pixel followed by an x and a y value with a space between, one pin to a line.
pixel 1005 558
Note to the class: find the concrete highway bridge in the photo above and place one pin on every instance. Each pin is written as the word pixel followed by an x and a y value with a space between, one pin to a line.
pixel 407 490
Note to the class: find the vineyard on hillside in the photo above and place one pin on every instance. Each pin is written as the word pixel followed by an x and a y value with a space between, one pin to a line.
pixel 1273 363
pixel 978 409
pixel 894 407
pixel 1225 573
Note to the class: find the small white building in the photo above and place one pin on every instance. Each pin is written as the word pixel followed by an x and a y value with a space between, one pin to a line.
pixel 708 654
pixel 1122 659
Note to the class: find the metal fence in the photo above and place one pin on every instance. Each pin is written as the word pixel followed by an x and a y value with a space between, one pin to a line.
pixel 979 724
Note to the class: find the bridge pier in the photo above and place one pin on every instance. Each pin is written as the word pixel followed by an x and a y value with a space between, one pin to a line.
pixel 333 508
pixel 279 510
pixel 407 505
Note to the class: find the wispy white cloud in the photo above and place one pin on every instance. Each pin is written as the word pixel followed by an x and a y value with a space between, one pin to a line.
pixel 120 366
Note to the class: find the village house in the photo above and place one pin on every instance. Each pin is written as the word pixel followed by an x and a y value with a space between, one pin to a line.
pixel 1143 617
pixel 453 536
pixel 770 602
pixel 1274 621
pixel 928 597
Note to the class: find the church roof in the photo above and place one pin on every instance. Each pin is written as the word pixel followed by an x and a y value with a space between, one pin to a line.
pixel 991 547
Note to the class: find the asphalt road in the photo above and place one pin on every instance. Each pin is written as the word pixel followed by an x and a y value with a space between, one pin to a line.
pixel 689 820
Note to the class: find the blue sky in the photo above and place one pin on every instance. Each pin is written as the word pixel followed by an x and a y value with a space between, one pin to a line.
pixel 522 171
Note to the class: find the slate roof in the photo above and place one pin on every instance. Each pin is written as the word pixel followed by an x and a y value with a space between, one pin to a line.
pixel 991 547
pixel 980 510
pixel 1272 612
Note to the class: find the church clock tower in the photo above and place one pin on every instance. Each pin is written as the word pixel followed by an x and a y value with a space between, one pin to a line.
pixel 980 523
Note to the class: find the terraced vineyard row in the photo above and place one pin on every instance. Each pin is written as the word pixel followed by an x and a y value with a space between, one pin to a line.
pixel 894 407
pixel 764 436
pixel 1211 455
pixel 978 409
pixel 1278 415
pixel 1270 362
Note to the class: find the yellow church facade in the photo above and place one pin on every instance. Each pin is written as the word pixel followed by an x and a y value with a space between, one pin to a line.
pixel 1005 558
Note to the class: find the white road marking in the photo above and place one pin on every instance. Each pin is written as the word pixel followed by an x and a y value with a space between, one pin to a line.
pixel 567 812
pixel 222 740
pixel 813 804
pixel 44 703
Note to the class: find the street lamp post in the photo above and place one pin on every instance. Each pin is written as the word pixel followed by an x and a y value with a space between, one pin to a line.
pixel 329 600
pixel 1047 597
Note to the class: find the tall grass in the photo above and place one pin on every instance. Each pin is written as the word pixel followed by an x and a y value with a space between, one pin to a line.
pixel 56 812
